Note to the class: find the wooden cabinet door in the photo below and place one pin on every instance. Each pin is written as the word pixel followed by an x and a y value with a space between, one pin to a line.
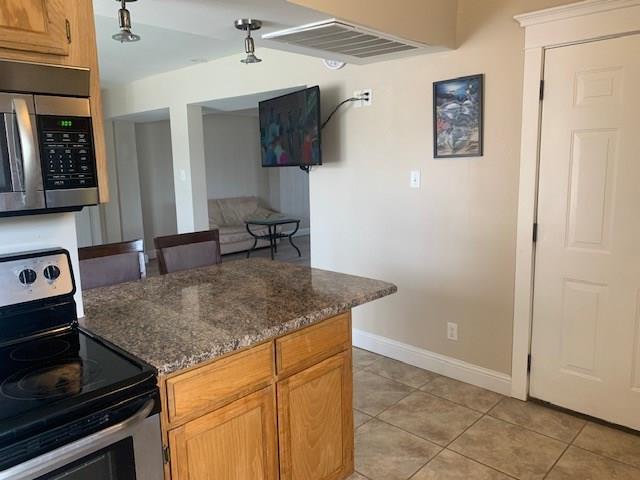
pixel 34 26
pixel 236 442
pixel 315 419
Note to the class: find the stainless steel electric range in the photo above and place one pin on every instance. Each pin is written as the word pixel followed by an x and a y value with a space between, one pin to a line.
pixel 72 406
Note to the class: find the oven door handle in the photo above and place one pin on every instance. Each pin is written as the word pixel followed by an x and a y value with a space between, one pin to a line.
pixel 29 153
pixel 76 449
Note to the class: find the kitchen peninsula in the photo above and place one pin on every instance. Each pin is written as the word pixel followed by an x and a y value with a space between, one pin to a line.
pixel 254 360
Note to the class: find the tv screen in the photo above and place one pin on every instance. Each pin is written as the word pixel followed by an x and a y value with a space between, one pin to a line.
pixel 290 129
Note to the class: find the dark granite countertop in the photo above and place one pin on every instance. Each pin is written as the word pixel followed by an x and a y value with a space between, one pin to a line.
pixel 176 321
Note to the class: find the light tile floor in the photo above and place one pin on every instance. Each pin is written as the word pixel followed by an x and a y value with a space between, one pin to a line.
pixel 415 424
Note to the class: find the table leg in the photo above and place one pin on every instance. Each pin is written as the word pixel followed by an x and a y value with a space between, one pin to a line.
pixel 255 241
pixel 272 241
pixel 291 239
pixel 275 238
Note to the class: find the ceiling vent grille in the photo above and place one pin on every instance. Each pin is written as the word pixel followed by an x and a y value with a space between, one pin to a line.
pixel 339 40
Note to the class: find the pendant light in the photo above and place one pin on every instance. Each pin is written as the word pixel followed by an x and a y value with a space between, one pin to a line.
pixel 248 25
pixel 125 35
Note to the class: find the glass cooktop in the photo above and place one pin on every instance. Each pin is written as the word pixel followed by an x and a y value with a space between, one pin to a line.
pixel 57 371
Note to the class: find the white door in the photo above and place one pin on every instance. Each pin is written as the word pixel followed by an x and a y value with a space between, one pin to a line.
pixel 585 352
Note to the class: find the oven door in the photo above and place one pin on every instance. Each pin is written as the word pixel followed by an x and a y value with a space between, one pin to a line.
pixel 130 450
pixel 21 183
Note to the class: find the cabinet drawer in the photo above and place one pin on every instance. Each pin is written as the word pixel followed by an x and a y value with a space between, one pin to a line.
pixel 211 386
pixel 313 344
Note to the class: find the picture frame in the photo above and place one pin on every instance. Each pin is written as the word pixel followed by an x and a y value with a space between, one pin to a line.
pixel 458 117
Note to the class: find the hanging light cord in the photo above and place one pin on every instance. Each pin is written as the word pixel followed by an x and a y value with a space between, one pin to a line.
pixel 363 98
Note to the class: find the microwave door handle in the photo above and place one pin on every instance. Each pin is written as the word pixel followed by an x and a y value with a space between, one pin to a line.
pixel 14 157
pixel 71 452
pixel 27 146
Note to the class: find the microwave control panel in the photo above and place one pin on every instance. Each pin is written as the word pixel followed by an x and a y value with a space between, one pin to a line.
pixel 66 152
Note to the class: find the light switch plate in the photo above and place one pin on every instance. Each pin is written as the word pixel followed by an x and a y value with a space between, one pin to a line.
pixel 414 179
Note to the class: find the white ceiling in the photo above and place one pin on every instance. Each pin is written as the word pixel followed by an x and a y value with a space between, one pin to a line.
pixel 245 105
pixel 177 33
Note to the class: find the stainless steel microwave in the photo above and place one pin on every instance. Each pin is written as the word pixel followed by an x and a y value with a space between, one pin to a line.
pixel 47 155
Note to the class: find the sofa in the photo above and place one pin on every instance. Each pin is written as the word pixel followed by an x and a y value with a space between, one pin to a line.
pixel 228 215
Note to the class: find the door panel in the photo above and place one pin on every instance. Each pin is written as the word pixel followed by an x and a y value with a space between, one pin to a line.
pixel 591 188
pixel 585 352
pixel 316 422
pixel 581 321
pixel 236 442
pixel 34 25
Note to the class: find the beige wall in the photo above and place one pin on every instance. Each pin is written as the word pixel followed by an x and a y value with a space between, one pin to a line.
pixel 232 148
pixel 429 21
pixel 157 193
pixel 450 245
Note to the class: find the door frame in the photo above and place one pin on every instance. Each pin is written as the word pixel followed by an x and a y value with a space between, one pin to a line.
pixel 581 22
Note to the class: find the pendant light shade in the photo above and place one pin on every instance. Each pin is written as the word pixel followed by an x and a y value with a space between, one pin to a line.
pixel 125 35
pixel 248 25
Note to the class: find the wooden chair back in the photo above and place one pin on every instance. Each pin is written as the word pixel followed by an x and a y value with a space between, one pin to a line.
pixel 110 264
pixel 188 250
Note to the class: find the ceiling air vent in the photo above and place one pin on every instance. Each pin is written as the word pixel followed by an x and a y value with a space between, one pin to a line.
pixel 338 40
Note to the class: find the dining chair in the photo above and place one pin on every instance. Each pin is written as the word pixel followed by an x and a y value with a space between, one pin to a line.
pixel 188 250
pixel 110 264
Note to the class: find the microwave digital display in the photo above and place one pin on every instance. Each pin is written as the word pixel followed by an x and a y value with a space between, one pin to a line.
pixel 65 123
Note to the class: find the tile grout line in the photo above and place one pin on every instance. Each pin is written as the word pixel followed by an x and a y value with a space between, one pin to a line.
pixel 463 405
pixel 425 464
pixel 435 375
pixel 471 458
pixel 575 437
pixel 606 457
pixel 534 431
pixel 481 463
pixel 556 461
pixel 565 451
pixel 361 474
pixel 442 448
pixel 484 414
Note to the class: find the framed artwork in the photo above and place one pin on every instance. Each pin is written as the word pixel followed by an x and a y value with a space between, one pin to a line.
pixel 458 106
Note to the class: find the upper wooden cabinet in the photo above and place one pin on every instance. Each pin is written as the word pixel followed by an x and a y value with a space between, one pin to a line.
pixel 34 26
pixel 39 31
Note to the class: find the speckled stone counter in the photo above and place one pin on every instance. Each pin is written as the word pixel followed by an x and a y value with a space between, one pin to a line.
pixel 177 321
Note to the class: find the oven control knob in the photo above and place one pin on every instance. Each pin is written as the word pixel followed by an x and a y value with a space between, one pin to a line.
pixel 51 272
pixel 27 276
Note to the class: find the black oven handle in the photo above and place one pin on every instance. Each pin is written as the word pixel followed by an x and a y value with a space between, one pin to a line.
pixel 79 447
pixel 29 152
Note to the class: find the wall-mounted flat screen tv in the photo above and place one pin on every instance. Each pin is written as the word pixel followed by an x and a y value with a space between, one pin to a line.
pixel 290 129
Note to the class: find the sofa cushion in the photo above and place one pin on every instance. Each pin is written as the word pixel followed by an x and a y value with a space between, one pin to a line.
pixel 215 214
pixel 235 210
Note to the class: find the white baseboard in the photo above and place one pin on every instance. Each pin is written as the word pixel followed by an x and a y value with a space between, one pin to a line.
pixel 447 366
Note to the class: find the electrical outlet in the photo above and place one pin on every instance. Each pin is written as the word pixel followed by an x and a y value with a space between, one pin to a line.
pixel 369 93
pixel 452 331
pixel 360 93
pixel 414 179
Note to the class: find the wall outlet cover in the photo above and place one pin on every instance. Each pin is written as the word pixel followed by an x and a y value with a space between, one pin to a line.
pixel 452 331
pixel 363 103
